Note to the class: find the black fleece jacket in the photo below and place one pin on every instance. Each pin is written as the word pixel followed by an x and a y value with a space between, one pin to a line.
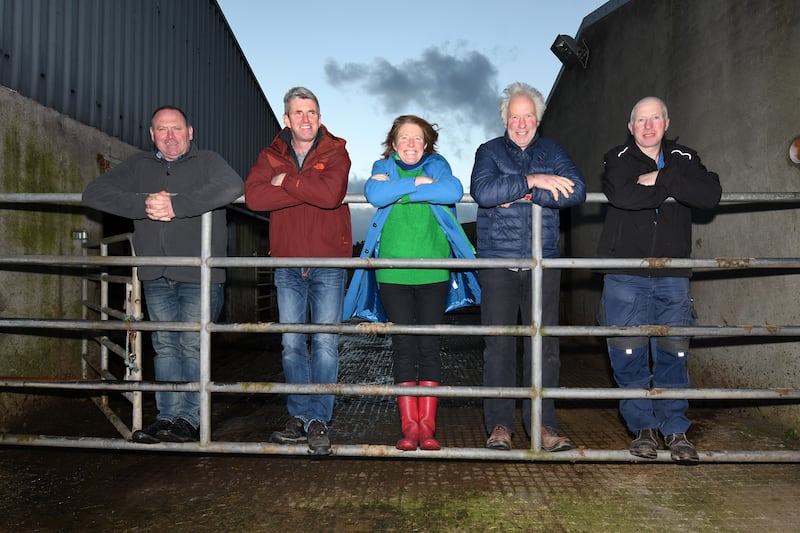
pixel 639 222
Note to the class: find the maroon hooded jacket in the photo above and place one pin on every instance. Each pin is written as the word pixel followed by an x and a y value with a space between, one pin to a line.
pixel 307 216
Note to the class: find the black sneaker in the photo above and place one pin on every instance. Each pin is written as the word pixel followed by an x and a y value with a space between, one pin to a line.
pixel 149 435
pixel 319 443
pixel 293 433
pixel 179 431
pixel 645 444
pixel 681 450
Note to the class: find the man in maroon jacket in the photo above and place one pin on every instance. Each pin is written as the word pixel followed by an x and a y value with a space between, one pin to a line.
pixel 301 179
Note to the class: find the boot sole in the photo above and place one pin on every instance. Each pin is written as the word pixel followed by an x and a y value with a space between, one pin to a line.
pixel 143 438
pixel 645 455
pixel 560 447
pixel 319 450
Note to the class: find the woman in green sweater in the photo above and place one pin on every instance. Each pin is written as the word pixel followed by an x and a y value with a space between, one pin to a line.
pixel 415 190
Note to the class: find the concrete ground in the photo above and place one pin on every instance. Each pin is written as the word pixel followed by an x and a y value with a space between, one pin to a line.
pixel 57 489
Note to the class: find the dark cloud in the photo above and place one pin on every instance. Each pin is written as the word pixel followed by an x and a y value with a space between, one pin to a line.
pixel 463 88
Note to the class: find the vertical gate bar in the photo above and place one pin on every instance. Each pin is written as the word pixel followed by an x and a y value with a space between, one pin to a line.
pixel 136 308
pixel 103 316
pixel 536 336
pixel 79 238
pixel 205 334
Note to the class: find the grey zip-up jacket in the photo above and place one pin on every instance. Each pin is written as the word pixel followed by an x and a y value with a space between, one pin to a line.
pixel 200 181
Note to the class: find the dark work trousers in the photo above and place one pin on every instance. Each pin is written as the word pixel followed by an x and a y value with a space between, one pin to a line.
pixel 505 299
pixel 415 357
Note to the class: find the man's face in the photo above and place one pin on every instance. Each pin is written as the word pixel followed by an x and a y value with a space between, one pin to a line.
pixel 521 123
pixel 171 134
pixel 302 119
pixel 648 124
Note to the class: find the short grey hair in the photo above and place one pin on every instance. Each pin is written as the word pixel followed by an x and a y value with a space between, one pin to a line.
pixel 519 87
pixel 298 92
pixel 657 99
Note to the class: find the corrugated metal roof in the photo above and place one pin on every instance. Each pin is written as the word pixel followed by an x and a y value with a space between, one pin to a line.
pixel 110 63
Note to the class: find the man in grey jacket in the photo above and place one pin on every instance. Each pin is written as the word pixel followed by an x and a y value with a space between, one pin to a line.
pixel 165 193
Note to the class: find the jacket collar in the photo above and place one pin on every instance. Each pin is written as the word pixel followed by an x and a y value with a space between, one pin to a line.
pixel 189 153
pixel 286 136
pixel 631 148
pixel 512 144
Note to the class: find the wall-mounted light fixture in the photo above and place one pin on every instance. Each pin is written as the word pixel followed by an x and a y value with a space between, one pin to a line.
pixel 568 51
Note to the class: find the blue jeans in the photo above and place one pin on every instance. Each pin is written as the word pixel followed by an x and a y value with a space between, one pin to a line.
pixel 310 295
pixel 177 355
pixel 506 299
pixel 645 362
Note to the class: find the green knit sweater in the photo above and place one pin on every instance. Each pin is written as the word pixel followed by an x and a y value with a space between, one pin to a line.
pixel 411 231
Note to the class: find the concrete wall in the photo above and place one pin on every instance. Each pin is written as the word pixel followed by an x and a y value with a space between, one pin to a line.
pixel 727 71
pixel 43 151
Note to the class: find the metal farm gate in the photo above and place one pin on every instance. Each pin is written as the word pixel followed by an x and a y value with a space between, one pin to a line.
pixel 99 382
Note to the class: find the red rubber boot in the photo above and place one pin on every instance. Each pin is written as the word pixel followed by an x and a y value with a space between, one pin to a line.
pixel 409 420
pixel 427 418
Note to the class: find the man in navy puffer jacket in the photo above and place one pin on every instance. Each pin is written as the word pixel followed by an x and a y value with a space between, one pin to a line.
pixel 508 171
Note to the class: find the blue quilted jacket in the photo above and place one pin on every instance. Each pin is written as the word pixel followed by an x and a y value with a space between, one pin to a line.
pixel 499 177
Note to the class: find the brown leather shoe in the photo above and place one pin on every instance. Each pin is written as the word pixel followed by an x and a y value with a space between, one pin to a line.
pixel 500 439
pixel 551 442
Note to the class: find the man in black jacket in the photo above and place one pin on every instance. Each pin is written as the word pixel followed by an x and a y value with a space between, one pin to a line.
pixel 639 177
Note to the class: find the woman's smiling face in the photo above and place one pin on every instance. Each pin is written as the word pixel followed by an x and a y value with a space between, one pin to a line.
pixel 410 143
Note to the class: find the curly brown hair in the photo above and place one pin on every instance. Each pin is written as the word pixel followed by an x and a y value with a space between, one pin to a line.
pixel 429 132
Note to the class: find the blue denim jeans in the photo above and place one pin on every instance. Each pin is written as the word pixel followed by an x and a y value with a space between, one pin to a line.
pixel 315 296
pixel 505 299
pixel 177 353
pixel 645 362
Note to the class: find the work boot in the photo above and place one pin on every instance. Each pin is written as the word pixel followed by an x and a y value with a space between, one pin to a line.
pixel 293 433
pixel 645 444
pixel 319 443
pixel 149 435
pixel 409 420
pixel 427 418
pixel 180 431
pixel 680 449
